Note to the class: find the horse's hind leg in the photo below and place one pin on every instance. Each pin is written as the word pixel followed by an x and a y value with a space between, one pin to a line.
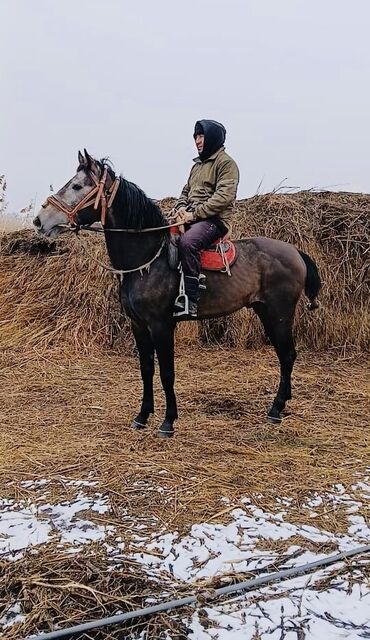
pixel 279 329
pixel 145 347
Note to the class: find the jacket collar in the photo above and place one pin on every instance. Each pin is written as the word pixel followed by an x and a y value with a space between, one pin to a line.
pixel 214 155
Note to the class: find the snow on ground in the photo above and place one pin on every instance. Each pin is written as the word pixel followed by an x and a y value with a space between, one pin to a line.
pixel 289 610
pixel 302 607
pixel 214 549
pixel 292 609
pixel 29 523
pixel 11 616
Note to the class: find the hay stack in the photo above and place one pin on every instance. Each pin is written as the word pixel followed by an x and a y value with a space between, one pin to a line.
pixel 51 294
pixel 334 229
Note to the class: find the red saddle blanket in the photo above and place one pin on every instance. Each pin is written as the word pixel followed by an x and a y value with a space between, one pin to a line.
pixel 213 259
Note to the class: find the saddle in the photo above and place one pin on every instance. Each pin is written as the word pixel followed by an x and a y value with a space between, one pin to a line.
pixel 220 256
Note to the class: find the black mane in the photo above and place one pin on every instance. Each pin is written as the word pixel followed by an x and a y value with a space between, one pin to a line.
pixel 132 207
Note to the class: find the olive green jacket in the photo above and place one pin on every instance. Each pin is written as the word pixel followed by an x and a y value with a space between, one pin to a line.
pixel 211 188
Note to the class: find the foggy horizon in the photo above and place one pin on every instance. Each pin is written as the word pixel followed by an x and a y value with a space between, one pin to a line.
pixel 288 80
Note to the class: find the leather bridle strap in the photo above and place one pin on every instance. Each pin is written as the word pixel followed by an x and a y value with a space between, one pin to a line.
pixel 97 195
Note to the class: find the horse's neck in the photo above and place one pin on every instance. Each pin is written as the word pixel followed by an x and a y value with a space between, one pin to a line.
pixel 131 250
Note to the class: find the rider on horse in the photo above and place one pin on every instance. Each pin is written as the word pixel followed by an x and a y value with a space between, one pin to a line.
pixel 205 205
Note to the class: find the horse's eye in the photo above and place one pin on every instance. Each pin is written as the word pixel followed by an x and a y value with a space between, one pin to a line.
pixel 76 187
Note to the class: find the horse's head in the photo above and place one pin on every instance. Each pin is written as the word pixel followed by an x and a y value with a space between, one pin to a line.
pixel 83 200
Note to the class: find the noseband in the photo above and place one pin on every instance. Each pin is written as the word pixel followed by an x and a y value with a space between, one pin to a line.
pixel 98 195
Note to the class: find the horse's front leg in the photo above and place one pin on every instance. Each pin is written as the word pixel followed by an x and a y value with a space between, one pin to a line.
pixel 163 338
pixel 145 347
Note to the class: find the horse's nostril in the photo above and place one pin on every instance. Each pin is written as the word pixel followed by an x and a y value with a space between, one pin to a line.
pixel 37 222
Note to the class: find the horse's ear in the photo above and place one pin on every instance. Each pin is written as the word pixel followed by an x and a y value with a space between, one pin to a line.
pixel 91 164
pixel 89 160
pixel 81 159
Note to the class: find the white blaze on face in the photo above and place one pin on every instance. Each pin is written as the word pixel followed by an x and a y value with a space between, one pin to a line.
pixel 50 218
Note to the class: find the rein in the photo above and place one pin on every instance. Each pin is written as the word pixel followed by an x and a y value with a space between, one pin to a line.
pixel 88 227
pixel 103 196
pixel 121 272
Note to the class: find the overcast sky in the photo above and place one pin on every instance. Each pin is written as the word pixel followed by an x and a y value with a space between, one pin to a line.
pixel 127 79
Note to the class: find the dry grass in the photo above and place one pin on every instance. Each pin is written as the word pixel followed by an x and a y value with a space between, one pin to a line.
pixel 50 293
pixel 51 296
pixel 13 222
pixel 66 402
pixel 76 411
pixel 59 588
pixel 74 422
pixel 9 224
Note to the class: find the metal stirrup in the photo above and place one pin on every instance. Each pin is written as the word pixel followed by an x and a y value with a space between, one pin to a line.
pixel 182 298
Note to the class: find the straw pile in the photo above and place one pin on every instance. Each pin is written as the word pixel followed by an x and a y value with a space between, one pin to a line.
pixel 75 408
pixel 53 293
pixel 334 229
pixel 75 587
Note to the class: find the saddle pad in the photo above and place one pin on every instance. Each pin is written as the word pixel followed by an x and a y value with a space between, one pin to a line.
pixel 212 259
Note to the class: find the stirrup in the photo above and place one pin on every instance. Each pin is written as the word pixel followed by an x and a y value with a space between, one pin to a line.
pixel 182 300
pixel 190 309
pixel 202 281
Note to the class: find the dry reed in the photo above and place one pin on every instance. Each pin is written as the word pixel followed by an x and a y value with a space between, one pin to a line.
pixel 51 293
pixel 75 407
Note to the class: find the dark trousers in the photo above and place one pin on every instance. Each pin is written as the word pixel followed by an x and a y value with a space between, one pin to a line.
pixel 199 235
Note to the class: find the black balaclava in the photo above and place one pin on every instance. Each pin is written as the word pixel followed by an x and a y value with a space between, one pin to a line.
pixel 214 136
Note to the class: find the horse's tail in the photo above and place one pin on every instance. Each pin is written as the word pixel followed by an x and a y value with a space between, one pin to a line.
pixel 313 281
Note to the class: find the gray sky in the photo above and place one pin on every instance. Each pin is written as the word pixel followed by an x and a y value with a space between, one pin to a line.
pixel 288 78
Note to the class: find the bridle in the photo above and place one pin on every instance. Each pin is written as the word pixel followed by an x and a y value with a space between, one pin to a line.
pixel 103 196
pixel 98 195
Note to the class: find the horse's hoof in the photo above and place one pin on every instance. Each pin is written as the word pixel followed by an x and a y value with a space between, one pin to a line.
pixel 137 426
pixel 166 429
pixel 165 434
pixel 274 415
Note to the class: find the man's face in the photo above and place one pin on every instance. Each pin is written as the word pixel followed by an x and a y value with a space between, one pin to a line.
pixel 199 142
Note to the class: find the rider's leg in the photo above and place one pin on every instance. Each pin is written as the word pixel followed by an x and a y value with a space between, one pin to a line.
pixel 199 236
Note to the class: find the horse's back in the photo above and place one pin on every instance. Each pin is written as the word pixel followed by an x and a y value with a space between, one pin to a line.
pixel 287 254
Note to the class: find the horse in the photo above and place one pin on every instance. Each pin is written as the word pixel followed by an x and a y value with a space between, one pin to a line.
pixel 268 276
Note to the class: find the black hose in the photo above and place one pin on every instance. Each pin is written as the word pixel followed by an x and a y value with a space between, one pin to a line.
pixel 174 604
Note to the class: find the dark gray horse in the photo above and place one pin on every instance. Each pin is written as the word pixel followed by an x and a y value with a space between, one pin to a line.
pixel 269 276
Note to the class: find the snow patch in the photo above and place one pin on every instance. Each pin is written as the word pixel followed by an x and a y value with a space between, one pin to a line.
pixel 28 523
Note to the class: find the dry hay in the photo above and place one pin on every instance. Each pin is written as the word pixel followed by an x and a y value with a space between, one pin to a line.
pixel 74 423
pixel 54 293
pixel 76 412
pixel 75 408
pixel 50 294
pixel 58 588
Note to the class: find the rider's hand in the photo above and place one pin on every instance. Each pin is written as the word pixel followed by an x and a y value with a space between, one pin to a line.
pixel 184 216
